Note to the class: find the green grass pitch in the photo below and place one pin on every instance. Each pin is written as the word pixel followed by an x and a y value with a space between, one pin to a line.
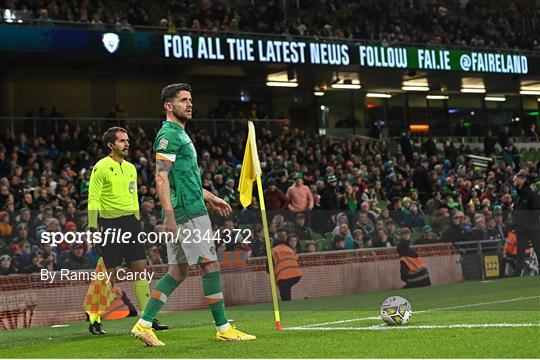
pixel 499 318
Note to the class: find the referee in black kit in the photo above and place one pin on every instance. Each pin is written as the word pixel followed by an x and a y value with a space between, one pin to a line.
pixel 114 205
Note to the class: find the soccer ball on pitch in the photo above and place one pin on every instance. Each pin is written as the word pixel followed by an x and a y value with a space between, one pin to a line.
pixel 396 311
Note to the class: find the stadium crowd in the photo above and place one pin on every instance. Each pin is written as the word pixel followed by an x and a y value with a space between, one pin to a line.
pixel 476 23
pixel 320 193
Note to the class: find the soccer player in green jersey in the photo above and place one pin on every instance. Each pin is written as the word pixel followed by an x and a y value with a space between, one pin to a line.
pixel 113 207
pixel 185 215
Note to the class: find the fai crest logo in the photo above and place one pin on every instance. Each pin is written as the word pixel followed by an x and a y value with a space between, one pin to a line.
pixel 163 144
pixel 111 42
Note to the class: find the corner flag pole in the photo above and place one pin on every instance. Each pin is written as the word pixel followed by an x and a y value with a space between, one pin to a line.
pixel 269 253
pixel 251 171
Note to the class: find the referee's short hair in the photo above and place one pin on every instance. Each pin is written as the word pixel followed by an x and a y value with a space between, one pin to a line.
pixel 171 90
pixel 109 136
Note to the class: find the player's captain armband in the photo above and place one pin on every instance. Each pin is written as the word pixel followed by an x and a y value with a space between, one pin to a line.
pixel 162 156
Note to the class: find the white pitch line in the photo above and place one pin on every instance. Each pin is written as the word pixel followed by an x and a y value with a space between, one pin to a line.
pixel 383 327
pixel 480 304
pixel 422 311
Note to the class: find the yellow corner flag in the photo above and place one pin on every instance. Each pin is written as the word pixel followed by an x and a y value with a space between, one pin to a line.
pixel 251 168
pixel 251 171
pixel 99 295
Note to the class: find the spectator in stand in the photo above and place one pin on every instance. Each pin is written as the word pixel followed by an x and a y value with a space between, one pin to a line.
pixel 372 215
pixel 434 203
pixel 406 205
pixel 35 263
pixel 405 235
pixel 258 246
pixel 283 183
pixel 380 239
pixel 299 195
pixel 22 235
pixel 503 136
pixel 300 228
pixel 455 233
pixel 50 257
pixel 533 133
pixel 345 235
pixel 278 222
pixel 5 228
pixel 147 212
pixel 428 236
pixel 230 194
pixel 450 152
pixel 422 182
pixel 385 215
pixel 329 196
pixel 430 147
pixel 415 218
pixel 338 243
pixel 44 19
pixel 96 23
pixel 154 255
pixel 489 194
pixel 364 223
pixel 341 219
pixel 310 247
pixel 395 211
pixel 294 243
pixel 489 143
pixel 494 232
pixel 392 232
pixel 407 146
pixel 76 259
pixel 6 267
pixel 349 202
pixel 274 198
pixel 361 240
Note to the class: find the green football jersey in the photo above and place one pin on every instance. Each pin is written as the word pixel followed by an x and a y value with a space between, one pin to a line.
pixel 174 144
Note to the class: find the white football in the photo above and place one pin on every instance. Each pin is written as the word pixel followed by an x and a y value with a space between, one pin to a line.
pixel 396 310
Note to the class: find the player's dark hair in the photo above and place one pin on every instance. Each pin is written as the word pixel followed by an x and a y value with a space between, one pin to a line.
pixel 109 136
pixel 171 90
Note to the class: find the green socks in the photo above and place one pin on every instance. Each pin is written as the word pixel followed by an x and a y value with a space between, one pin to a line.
pixel 142 292
pixel 167 284
pixel 214 297
pixel 158 297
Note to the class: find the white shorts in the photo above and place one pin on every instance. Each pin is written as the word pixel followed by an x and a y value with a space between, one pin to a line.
pixel 193 243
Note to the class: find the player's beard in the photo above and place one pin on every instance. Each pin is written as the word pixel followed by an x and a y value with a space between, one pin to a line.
pixel 181 116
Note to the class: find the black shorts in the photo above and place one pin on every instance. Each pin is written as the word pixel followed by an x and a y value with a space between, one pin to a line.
pixel 114 251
